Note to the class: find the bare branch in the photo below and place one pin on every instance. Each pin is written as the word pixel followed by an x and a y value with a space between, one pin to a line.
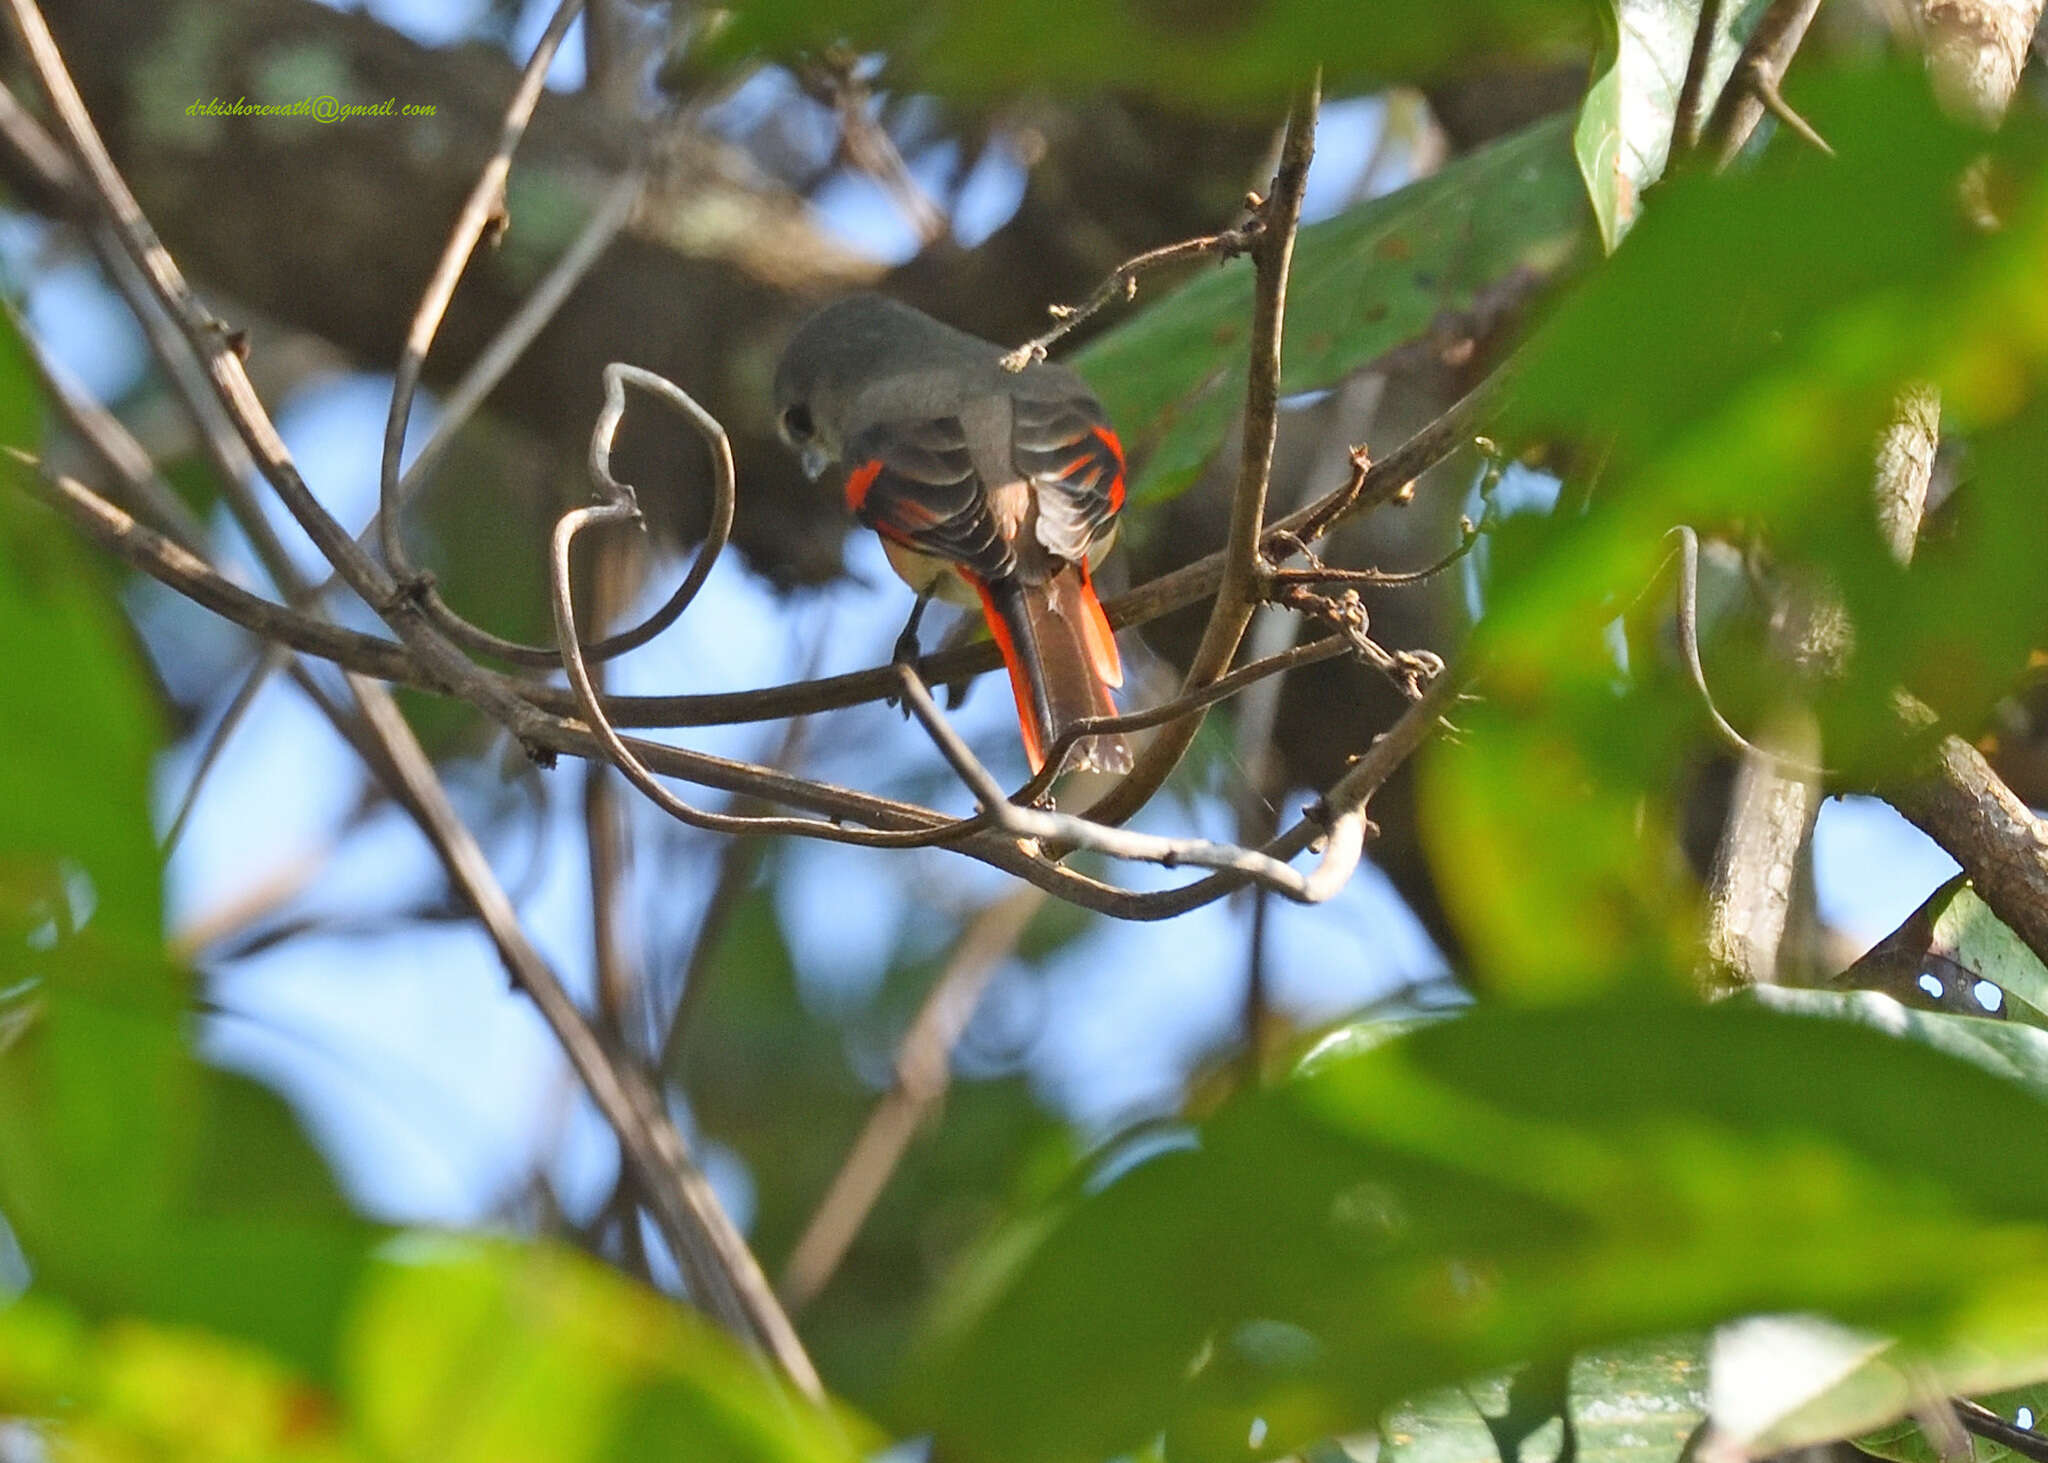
pixel 2002 844
pixel 484 208
pixel 1764 61
pixel 1975 51
pixel 1241 588
pixel 1123 282
pixel 922 1074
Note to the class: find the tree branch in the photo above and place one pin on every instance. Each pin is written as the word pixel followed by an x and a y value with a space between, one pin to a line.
pixel 1241 588
pixel 922 1073
pixel 1758 71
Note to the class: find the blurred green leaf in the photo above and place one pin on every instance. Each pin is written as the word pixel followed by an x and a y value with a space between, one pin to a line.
pixel 1550 848
pixel 1733 364
pixel 1625 123
pixel 130 1389
pixel 75 842
pixel 466 1351
pixel 1200 52
pixel 1372 278
pixel 1511 1185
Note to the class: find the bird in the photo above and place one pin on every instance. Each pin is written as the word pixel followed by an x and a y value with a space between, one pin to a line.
pixel 991 488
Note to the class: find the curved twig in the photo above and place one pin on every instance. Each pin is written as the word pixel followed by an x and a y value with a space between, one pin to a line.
pixel 1689 647
pixel 485 204
pixel 621 506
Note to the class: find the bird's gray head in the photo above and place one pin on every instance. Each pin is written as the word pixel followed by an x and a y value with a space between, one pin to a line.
pixel 846 348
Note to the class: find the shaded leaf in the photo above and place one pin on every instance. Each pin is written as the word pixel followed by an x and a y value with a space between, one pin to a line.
pixel 1510 1185
pixel 1906 1443
pixel 1362 283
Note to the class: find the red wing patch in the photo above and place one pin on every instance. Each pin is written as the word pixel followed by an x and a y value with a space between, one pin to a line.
pixel 916 484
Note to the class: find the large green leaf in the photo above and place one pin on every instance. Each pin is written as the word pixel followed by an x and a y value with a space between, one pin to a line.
pixel 1625 124
pixel 1362 283
pixel 1199 53
pixel 1511 1185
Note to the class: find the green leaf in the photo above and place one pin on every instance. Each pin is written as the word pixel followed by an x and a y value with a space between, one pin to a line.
pixel 80 729
pixel 132 1389
pixel 1729 369
pixel 1513 1185
pixel 2013 1050
pixel 1983 943
pixel 1362 283
pixel 469 1351
pixel 1904 1441
pixel 1196 51
pixel 1628 1404
pixel 1624 132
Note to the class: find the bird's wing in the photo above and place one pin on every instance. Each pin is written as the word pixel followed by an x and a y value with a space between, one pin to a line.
pixel 1063 446
pixel 914 482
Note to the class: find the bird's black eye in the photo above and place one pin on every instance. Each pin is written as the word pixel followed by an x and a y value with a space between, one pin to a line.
pixel 796 423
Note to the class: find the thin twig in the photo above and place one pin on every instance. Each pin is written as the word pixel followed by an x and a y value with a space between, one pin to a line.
pixel 1989 1425
pixel 1320 573
pixel 481 378
pixel 1122 283
pixel 1765 58
pixel 834 81
pixel 1344 843
pixel 1689 646
pixel 1686 118
pixel 922 1073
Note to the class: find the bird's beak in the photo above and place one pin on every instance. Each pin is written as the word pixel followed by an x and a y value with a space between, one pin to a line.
pixel 815 460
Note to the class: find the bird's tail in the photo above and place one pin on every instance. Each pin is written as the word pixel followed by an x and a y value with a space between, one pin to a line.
pixel 1062 660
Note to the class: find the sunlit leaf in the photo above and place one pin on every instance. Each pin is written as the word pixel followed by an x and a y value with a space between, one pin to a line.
pixel 1625 124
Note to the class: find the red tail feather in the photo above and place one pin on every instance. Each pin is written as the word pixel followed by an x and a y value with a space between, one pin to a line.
pixel 1062 660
